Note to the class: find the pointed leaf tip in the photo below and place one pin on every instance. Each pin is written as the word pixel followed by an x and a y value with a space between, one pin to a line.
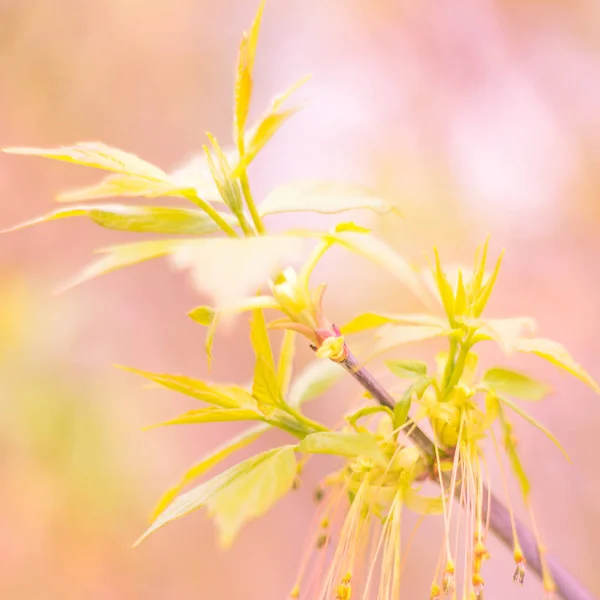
pixel 558 355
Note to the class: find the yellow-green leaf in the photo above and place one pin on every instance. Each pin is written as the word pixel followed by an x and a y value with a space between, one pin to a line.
pixel 149 219
pixel 207 462
pixel 209 317
pixel 461 295
pixel 261 133
pixel 125 255
pixel 444 288
pixel 422 505
pixel 245 68
pixel 99 156
pixel 556 354
pixel 316 379
pixel 253 494
pixel 371 320
pixel 390 336
pixel 222 396
pixel 484 295
pixel 228 187
pixel 522 413
pixel 510 447
pixel 323 197
pixel 380 253
pixel 126 186
pixel 476 282
pixel 265 388
pixel 401 410
pixel 367 411
pixel 231 269
pixel 212 415
pixel 351 445
pixel 513 383
pixel 194 173
pixel 506 332
pixel 240 493
pixel 285 366
pixel 407 368
pixel 204 315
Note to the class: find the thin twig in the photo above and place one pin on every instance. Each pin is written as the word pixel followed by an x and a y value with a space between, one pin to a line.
pixel 567 585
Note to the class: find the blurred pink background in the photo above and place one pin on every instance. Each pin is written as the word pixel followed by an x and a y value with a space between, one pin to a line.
pixel 476 117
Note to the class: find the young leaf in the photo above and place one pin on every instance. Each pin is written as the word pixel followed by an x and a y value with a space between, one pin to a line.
pixel 231 269
pixel 390 336
pixel 314 381
pixel 265 388
pixel 99 156
pixel 212 415
pixel 422 505
pixel 407 368
pixel 417 389
pixel 228 187
pixel 366 321
pixel 474 286
pixel 516 408
pixel 254 494
pixel 506 332
pixel 148 219
pixel 401 410
pixel 194 173
pixel 351 445
pixel 286 361
pixel 221 396
pixel 444 288
pixel 125 255
pixel 461 295
pixel 379 252
pixel 243 83
pixel 507 381
pixel 323 197
pixel 486 291
pixel 511 450
pixel 127 186
pixel 240 493
pixel 205 315
pixel 556 354
pixel 207 462
pixel 209 317
pixel 367 411
pixel 371 320
pixel 260 134
pixel 210 338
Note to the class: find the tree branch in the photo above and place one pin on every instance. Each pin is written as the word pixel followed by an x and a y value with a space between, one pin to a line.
pixel 567 586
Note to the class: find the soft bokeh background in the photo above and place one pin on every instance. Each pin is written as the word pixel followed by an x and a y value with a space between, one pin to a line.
pixel 480 116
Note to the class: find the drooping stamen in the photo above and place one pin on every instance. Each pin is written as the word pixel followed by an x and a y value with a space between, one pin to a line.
pixel 519 574
pixel 547 579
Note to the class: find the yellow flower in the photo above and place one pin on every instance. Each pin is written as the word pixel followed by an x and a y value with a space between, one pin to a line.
pixel 367 557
